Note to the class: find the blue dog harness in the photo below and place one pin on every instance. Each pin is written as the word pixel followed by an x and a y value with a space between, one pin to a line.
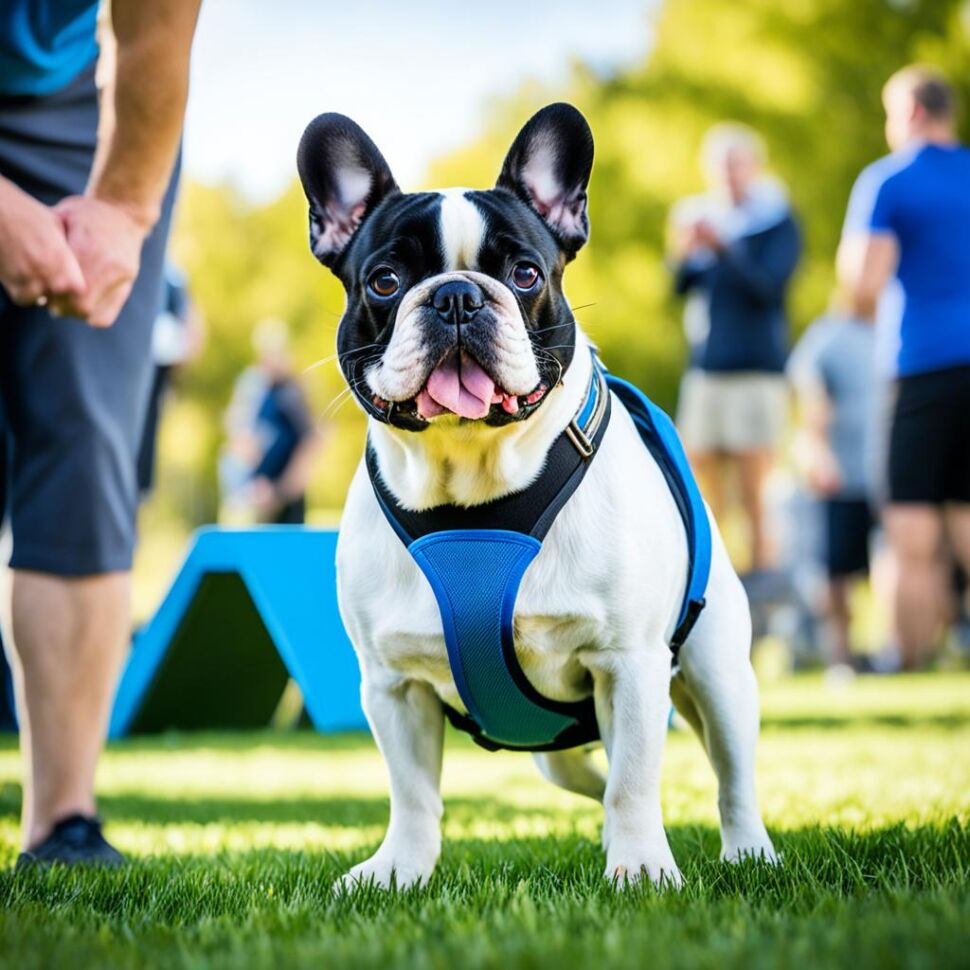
pixel 475 558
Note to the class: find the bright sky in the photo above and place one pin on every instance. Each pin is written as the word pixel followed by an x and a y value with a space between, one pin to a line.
pixel 416 74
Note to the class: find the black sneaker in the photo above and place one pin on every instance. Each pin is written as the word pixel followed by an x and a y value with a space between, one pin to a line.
pixel 75 840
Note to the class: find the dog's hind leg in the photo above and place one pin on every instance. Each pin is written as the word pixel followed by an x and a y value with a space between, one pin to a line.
pixel 572 770
pixel 720 685
pixel 685 706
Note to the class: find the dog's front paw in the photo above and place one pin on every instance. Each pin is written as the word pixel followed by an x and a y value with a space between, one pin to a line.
pixel 628 867
pixel 756 847
pixel 388 869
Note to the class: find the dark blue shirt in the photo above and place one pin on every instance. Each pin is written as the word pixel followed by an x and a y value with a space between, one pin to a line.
pixel 745 288
pixel 45 44
pixel 282 422
pixel 922 196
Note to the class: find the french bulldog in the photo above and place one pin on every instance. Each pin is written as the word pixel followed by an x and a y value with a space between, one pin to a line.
pixel 459 343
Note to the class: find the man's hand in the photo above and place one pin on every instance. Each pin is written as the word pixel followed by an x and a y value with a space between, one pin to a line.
pixel 706 235
pixel 36 263
pixel 106 238
pixel 823 475
pixel 263 498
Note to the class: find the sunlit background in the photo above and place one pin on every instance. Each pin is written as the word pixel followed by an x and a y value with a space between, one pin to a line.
pixel 443 95
pixel 237 836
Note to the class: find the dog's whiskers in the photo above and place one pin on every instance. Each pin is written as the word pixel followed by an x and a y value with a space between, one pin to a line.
pixel 339 356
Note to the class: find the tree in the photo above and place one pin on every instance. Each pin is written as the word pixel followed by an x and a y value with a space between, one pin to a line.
pixel 806 73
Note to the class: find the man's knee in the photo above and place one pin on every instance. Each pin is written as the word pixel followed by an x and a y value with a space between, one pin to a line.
pixel 958 531
pixel 73 504
pixel 915 534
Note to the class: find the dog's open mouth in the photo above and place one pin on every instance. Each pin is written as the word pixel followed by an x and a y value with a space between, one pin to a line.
pixel 459 385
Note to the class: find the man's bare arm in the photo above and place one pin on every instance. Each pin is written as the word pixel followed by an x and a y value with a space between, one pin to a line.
pixel 144 75
pixel 866 263
pixel 145 87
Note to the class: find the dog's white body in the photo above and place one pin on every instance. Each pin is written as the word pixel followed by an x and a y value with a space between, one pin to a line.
pixel 478 350
pixel 596 609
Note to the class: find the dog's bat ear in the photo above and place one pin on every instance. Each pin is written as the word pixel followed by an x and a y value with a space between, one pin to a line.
pixel 344 176
pixel 548 166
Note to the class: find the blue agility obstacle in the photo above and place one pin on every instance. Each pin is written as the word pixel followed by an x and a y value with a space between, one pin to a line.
pixel 248 609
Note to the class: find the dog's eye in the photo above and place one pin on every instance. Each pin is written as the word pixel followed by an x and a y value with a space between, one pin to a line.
pixel 384 282
pixel 525 276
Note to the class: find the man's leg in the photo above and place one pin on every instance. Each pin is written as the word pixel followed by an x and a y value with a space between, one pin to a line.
pixel 839 618
pixel 74 399
pixel 73 506
pixel 70 637
pixel 915 534
pixel 754 465
pixel 958 532
pixel 709 467
pixel 699 419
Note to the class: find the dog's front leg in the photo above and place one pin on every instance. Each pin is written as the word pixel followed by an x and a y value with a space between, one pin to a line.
pixel 408 725
pixel 632 707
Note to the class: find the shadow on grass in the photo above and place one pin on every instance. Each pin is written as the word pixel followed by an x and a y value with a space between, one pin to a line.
pixel 835 722
pixel 339 810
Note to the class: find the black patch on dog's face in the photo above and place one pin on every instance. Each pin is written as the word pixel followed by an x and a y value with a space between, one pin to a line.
pixel 361 222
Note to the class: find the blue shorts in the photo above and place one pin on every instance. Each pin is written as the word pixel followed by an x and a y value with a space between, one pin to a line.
pixel 72 398
pixel 849 527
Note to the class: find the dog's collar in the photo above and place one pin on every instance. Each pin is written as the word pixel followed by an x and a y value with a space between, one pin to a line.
pixel 475 558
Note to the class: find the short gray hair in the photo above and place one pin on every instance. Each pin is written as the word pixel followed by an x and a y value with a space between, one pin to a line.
pixel 727 136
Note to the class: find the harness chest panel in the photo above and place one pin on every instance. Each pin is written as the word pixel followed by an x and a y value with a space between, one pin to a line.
pixel 475 558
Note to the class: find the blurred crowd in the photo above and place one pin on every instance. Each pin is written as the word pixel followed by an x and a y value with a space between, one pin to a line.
pixel 837 465
pixel 880 384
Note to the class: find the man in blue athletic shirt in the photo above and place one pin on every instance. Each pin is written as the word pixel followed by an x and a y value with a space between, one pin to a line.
pixel 86 188
pixel 909 217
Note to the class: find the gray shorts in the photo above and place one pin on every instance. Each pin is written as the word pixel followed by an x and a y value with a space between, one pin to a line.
pixel 731 412
pixel 72 398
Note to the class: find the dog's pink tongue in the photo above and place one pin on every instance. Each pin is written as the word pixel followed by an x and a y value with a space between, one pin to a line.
pixel 461 386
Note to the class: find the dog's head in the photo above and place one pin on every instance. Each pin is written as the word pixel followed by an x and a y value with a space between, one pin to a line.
pixel 454 299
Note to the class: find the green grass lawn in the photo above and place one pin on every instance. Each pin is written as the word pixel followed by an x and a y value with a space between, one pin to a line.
pixel 235 841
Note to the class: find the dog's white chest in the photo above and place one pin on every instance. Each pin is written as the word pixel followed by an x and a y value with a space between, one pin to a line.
pixel 591 583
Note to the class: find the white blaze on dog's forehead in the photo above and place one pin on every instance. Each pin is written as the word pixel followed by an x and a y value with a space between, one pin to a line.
pixel 462 229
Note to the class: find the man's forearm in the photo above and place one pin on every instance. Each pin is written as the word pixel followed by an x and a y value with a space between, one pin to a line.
pixel 865 263
pixel 144 91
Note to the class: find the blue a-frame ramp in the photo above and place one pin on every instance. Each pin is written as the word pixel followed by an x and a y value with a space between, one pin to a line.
pixel 289 574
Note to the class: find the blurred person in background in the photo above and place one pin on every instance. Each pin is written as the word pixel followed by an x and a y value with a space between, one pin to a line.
pixel 832 370
pixel 272 436
pixel 909 218
pixel 86 188
pixel 176 339
pixel 734 252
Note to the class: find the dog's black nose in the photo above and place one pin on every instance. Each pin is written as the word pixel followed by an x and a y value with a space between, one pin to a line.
pixel 457 301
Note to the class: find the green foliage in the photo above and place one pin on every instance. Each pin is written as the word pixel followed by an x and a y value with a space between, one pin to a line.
pixel 245 264
pixel 238 838
pixel 806 73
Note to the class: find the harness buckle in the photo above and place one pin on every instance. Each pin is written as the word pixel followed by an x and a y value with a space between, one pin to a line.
pixel 580 439
pixel 694 608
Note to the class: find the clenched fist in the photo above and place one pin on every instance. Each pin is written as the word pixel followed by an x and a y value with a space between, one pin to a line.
pixel 106 238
